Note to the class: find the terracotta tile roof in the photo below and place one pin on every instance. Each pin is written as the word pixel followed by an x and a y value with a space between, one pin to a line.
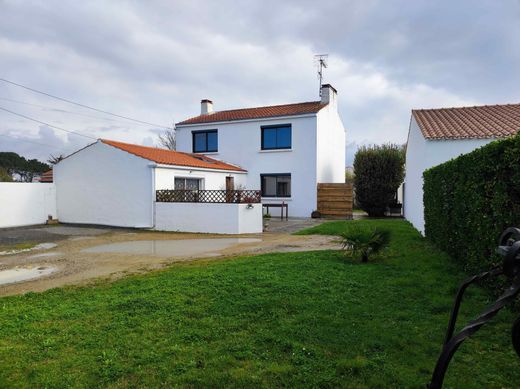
pixel 169 157
pixel 487 121
pixel 47 176
pixel 257 113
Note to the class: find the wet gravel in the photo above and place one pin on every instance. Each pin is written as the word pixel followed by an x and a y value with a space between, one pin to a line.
pixel 42 234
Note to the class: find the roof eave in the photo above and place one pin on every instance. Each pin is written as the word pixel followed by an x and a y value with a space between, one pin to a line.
pixel 311 114
pixel 186 167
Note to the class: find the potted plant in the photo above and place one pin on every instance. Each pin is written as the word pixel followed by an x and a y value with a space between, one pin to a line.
pixel 267 217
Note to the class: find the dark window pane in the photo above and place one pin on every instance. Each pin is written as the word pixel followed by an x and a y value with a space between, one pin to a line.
pixel 205 141
pixel 284 137
pixel 212 141
pixel 199 142
pixel 283 188
pixel 269 186
pixel 179 183
pixel 276 137
pixel 192 184
pixel 269 138
pixel 276 185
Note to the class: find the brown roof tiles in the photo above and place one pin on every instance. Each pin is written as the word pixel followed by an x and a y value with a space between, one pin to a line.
pixel 169 157
pixel 482 122
pixel 257 113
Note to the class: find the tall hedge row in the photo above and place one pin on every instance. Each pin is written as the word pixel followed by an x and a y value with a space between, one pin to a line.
pixel 470 200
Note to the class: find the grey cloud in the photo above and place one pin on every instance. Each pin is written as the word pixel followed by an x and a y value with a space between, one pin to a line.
pixel 156 60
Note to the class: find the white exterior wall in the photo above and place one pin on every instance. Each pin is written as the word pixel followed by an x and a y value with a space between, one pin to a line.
pixel 240 143
pixel 101 184
pixel 422 154
pixel 208 218
pixel 24 204
pixel 330 165
pixel 212 180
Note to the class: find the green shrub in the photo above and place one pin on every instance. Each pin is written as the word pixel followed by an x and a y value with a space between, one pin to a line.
pixel 362 242
pixel 379 170
pixel 470 200
pixel 4 176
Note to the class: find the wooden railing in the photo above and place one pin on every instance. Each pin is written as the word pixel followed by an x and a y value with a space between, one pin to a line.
pixel 208 196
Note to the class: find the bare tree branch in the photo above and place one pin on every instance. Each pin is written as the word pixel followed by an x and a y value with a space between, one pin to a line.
pixel 167 139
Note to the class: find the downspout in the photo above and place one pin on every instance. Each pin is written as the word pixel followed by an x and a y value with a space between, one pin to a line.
pixel 153 166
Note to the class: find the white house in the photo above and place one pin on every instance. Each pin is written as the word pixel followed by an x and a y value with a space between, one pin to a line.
pixel 286 149
pixel 438 135
pixel 114 183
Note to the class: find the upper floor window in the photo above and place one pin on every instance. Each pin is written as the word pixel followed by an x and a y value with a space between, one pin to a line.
pixel 205 141
pixel 276 137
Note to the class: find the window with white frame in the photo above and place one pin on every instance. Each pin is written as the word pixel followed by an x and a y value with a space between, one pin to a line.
pixel 182 183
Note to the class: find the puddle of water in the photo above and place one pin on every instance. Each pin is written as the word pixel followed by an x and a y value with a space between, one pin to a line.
pixel 170 248
pixel 44 246
pixel 19 274
pixel 45 255
pixel 41 246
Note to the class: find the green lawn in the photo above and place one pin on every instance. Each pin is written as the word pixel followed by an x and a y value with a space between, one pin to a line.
pixel 295 320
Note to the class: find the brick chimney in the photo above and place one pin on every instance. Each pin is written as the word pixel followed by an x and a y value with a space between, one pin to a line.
pixel 329 95
pixel 206 106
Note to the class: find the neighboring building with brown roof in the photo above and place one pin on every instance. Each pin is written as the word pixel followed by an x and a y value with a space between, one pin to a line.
pixel 47 177
pixel 287 149
pixel 438 135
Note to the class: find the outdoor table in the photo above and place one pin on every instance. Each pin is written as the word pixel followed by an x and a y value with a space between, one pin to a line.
pixel 281 205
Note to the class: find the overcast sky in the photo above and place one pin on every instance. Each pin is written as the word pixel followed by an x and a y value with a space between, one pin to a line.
pixel 155 61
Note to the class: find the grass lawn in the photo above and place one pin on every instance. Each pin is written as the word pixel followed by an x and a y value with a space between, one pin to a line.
pixel 294 319
pixel 16 246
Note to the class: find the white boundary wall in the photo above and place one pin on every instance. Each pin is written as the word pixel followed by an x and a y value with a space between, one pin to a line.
pixel 25 204
pixel 213 218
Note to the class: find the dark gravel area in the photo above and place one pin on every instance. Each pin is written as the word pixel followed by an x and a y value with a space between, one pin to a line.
pixel 41 234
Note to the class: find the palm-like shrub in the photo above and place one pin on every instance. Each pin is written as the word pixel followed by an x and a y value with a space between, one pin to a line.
pixel 364 242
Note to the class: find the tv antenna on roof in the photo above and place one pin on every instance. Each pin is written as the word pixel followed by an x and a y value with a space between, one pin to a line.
pixel 321 62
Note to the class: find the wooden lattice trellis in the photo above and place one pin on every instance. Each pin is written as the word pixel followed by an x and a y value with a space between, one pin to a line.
pixel 208 196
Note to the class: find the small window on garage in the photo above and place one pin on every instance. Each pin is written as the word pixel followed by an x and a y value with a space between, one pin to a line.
pixel 182 183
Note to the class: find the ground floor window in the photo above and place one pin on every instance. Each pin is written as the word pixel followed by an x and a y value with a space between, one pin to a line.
pixel 187 183
pixel 276 185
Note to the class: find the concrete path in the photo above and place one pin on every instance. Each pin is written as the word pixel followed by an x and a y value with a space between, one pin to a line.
pixel 292 225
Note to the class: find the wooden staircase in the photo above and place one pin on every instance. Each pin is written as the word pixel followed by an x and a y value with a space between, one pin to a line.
pixel 335 201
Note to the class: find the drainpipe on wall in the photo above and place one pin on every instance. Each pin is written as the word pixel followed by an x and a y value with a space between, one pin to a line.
pixel 153 166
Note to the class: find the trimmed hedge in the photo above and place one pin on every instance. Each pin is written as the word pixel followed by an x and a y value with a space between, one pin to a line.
pixel 470 200
pixel 378 172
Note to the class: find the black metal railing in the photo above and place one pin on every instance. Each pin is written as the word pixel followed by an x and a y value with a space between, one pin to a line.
pixel 509 250
pixel 208 196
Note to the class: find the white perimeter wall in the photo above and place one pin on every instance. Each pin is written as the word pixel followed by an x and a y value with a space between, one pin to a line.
pixel 422 154
pixel 240 143
pixel 208 218
pixel 212 180
pixel 101 184
pixel 24 204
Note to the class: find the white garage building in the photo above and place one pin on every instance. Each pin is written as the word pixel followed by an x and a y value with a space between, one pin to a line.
pixel 438 135
pixel 114 183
